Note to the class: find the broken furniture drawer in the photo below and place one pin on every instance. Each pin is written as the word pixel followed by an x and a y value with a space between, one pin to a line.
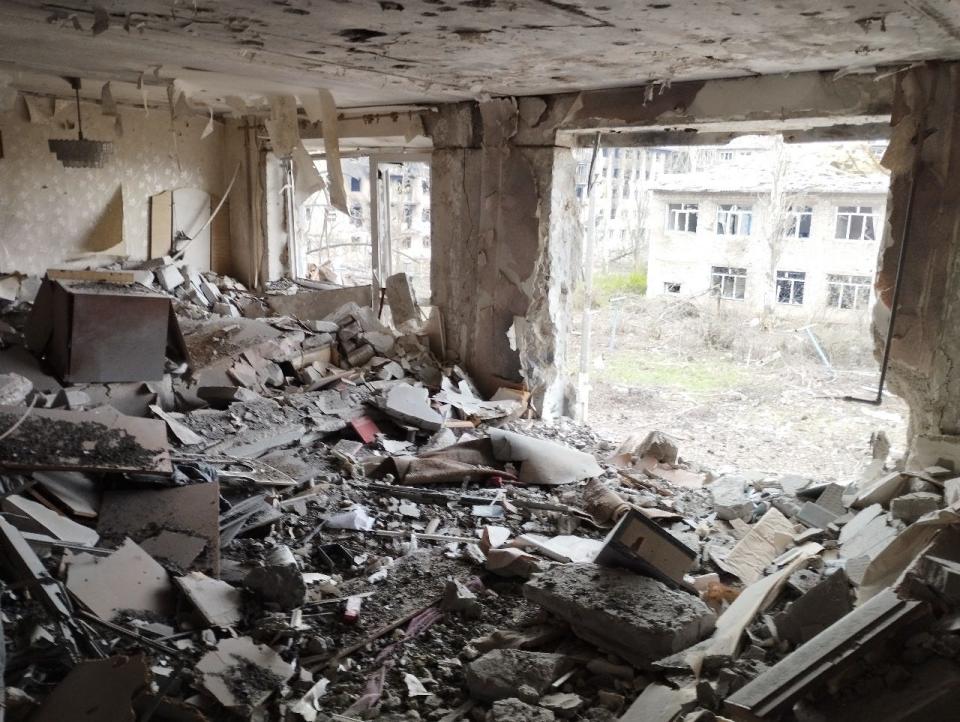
pixel 103 332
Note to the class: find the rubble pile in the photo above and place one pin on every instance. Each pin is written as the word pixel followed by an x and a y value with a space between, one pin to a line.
pixel 310 517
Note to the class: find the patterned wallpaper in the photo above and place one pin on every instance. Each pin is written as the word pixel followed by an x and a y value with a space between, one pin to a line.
pixel 48 212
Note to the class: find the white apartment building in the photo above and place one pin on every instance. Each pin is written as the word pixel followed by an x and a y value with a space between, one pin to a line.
pixel 765 226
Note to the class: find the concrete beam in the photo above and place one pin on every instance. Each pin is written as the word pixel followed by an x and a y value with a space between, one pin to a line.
pixel 693 136
pixel 771 102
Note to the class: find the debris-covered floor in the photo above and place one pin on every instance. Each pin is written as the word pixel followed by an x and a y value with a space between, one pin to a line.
pixel 213 512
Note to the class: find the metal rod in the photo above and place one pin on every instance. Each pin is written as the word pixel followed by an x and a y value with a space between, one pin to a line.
pixel 584 377
pixel 901 258
pixel 76 90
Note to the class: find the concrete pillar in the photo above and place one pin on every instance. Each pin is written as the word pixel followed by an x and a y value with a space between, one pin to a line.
pixel 925 352
pixel 503 232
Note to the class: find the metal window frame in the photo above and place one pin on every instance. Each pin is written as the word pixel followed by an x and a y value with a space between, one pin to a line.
pixel 849 216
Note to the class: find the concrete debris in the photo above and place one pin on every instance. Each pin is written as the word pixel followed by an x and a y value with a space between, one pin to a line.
pixel 292 510
pixel 505 673
pixel 241 673
pixel 910 507
pixel 218 602
pixel 600 605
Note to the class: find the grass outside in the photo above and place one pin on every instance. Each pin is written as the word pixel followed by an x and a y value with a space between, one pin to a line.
pixel 609 285
pixel 628 368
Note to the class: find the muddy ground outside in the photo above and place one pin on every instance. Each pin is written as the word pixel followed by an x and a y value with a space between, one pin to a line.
pixel 738 392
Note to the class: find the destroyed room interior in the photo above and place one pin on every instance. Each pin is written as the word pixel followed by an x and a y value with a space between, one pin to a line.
pixel 293 426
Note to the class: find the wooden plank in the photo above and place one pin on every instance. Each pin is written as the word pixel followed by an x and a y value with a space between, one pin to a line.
pixel 99 441
pixel 66 274
pixel 79 494
pixel 161 224
pixel 813 662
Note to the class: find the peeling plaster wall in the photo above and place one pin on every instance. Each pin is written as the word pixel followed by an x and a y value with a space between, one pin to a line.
pixel 925 353
pixel 48 212
pixel 499 256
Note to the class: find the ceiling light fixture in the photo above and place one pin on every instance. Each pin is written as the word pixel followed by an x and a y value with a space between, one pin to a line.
pixel 80 153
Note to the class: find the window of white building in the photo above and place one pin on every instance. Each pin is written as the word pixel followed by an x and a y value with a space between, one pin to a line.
pixel 855 223
pixel 682 217
pixel 726 155
pixel 848 291
pixel 790 287
pixel 671 287
pixel 728 282
pixel 799 220
pixel 734 220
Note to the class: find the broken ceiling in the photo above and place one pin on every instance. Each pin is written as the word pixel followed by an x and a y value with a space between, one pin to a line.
pixel 440 50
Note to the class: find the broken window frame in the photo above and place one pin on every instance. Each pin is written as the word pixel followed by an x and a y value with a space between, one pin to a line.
pixel 732 217
pixel 800 222
pixel 381 249
pixel 671 287
pixel 855 223
pixel 685 212
pixel 790 287
pixel 848 292
pixel 729 282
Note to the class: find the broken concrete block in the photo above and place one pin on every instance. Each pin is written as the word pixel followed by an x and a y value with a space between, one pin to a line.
pixel 15 390
pixel 640 544
pixel 401 299
pixel 813 515
pixel 412 405
pixel 169 277
pixel 225 308
pixel 729 498
pixel 601 605
pixel 321 326
pixel 562 704
pixel 951 491
pixel 910 507
pixel 816 610
pixel 71 399
pixel 220 396
pixel 279 581
pixel 515 710
pixel 381 342
pixel 500 673
pixel 458 598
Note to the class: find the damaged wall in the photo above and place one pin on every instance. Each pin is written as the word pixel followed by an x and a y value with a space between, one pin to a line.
pixel 502 244
pixel 49 212
pixel 925 354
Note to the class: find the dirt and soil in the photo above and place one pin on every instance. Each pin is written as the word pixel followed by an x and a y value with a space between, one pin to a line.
pixel 737 391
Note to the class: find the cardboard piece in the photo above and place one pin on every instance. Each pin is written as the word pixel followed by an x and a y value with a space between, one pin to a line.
pixel 765 541
pixel 129 578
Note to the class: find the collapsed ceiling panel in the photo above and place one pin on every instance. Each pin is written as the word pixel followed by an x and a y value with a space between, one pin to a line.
pixel 436 50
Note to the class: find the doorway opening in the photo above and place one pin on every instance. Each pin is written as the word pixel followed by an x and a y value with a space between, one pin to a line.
pixel 731 301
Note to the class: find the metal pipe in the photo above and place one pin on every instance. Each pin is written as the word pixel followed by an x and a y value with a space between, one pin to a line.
pixel 901 258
